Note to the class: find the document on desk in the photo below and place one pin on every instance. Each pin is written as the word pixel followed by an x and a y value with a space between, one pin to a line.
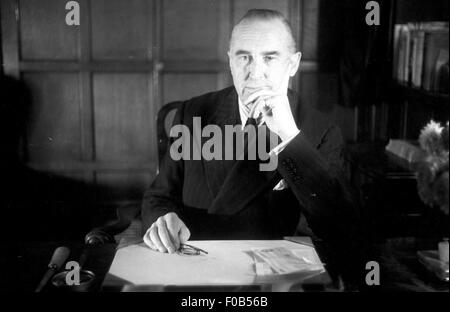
pixel 227 263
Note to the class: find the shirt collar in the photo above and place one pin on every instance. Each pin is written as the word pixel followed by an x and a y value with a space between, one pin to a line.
pixel 242 113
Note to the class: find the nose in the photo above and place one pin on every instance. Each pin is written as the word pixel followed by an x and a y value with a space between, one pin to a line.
pixel 256 69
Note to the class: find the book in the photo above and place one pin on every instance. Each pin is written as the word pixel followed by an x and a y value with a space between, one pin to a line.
pixel 417 60
pixel 436 41
pixel 396 58
pixel 407 150
pixel 441 79
pixel 420 55
pixel 407 64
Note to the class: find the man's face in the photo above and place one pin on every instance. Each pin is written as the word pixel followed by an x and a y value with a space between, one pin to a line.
pixel 260 58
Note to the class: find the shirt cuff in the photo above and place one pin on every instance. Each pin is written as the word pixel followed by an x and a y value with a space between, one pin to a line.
pixel 280 147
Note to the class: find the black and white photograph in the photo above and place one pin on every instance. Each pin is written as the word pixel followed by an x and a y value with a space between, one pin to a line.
pixel 224 150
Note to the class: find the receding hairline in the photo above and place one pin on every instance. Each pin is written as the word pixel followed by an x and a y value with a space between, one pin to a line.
pixel 264 15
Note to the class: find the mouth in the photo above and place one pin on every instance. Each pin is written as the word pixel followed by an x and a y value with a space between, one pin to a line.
pixel 254 88
pixel 247 90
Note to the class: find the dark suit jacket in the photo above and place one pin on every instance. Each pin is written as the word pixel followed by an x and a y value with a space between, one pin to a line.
pixel 234 199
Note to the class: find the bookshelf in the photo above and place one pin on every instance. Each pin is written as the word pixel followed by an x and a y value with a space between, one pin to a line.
pixel 409 92
pixel 411 106
pixel 407 108
pixel 388 190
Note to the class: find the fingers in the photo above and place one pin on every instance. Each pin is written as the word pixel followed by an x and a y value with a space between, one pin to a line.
pixel 164 235
pixel 263 106
pixel 184 233
pixel 167 234
pixel 264 93
pixel 148 241
pixel 173 225
pixel 254 112
pixel 266 109
pixel 154 236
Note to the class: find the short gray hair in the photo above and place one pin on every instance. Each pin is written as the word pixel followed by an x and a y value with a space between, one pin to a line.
pixel 269 15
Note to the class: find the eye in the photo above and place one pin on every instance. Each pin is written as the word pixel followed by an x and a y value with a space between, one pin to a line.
pixel 243 58
pixel 269 58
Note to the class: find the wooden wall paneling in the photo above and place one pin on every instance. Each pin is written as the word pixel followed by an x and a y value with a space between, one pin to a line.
pixel 92 166
pixel 320 90
pixel 240 7
pixel 296 20
pixel 124 185
pixel 127 59
pixel 319 97
pixel 310 28
pixel 195 66
pixel 86 109
pixel 321 32
pixel 44 34
pixel 109 66
pixel 54 128
pixel 124 123
pixel 183 86
pixel 121 30
pixel 10 37
pixel 225 27
pixel 157 64
pixel 190 29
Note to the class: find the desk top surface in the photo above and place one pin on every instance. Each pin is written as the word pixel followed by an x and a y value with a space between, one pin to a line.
pixel 228 263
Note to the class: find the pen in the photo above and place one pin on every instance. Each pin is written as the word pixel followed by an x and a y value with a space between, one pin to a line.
pixel 193 247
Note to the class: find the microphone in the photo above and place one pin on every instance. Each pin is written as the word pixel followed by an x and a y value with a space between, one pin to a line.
pixel 60 256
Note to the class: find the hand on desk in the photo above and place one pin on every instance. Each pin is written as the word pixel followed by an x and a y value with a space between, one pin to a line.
pixel 167 233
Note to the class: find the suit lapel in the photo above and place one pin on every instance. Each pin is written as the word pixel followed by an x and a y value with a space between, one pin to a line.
pixel 243 183
pixel 234 184
pixel 226 113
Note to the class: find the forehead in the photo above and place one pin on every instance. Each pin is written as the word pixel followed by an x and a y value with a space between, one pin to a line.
pixel 260 36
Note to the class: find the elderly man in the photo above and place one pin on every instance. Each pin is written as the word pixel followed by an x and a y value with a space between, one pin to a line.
pixel 234 198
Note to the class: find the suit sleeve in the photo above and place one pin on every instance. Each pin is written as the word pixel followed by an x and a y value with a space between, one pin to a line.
pixel 165 193
pixel 317 179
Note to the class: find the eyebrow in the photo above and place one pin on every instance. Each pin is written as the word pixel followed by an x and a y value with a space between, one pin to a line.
pixel 241 52
pixel 276 53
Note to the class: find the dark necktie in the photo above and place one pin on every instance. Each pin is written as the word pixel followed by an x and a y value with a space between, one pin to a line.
pixel 251 121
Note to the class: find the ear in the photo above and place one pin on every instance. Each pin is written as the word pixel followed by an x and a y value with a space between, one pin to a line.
pixel 295 63
pixel 229 60
pixel 229 56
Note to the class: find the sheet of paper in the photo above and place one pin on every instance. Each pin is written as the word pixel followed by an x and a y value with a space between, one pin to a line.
pixel 227 263
pixel 282 260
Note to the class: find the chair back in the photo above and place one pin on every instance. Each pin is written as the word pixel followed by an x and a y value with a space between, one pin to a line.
pixel 164 122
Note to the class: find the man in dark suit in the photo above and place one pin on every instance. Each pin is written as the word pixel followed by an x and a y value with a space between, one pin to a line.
pixel 235 199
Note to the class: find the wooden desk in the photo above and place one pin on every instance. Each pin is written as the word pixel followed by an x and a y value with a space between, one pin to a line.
pixel 227 266
pixel 23 264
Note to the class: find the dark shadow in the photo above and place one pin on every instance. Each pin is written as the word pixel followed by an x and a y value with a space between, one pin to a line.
pixel 36 206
